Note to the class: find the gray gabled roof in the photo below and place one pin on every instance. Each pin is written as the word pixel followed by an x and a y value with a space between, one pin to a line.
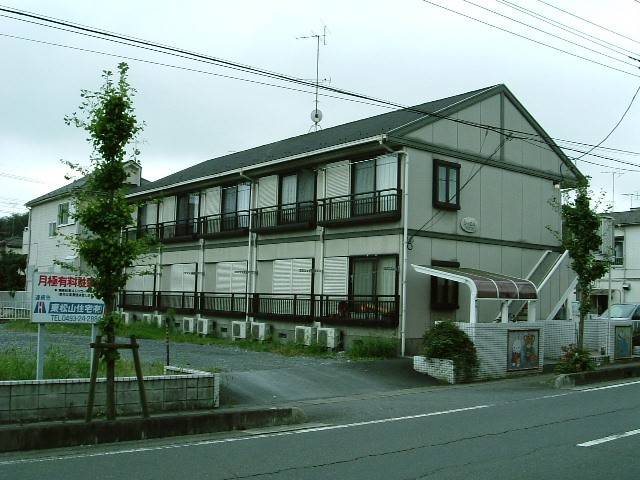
pixel 65 191
pixel 328 137
pixel 630 217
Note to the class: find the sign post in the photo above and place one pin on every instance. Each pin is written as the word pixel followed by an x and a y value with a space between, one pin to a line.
pixel 61 298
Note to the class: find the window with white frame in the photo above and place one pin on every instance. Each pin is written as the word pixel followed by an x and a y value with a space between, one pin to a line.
pixel 63 214
pixel 52 229
pixel 618 251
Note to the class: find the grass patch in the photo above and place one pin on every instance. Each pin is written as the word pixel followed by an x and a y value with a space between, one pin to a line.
pixel 151 332
pixel 373 348
pixel 20 364
pixel 26 326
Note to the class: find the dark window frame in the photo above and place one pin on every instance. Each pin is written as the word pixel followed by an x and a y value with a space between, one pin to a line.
pixel 450 167
pixel 352 172
pixel 438 283
pixel 297 172
pixel 374 258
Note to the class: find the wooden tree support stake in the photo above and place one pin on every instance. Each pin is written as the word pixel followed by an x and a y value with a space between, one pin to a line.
pixel 98 347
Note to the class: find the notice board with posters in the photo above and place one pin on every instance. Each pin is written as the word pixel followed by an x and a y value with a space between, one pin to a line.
pixel 523 349
pixel 60 298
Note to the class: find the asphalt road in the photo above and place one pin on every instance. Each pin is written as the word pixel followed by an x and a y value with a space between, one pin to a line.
pixel 514 429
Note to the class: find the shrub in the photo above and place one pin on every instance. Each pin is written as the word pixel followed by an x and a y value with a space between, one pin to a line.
pixel 575 360
pixel 445 340
pixel 374 347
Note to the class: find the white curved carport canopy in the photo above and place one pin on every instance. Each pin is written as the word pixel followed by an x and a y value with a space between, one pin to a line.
pixel 487 286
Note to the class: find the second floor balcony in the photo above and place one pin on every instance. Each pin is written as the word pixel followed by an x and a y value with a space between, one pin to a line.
pixel 368 207
pixel 292 216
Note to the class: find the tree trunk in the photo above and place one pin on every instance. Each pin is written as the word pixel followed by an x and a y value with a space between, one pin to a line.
pixel 585 299
pixel 111 363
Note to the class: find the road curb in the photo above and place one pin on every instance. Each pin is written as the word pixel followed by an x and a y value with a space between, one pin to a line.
pixel 613 372
pixel 45 435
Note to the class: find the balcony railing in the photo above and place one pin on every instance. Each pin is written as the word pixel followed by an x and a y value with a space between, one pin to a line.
pixel 138 300
pixel 292 216
pixel 136 233
pixel 178 230
pixel 232 304
pixel 362 310
pixel 224 224
pixel 178 301
pixel 381 205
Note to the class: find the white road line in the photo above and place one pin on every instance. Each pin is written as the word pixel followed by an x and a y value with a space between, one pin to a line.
pixel 242 439
pixel 610 438
pixel 606 387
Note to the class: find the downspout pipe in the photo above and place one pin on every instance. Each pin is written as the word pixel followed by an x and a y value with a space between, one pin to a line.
pixel 248 282
pixel 405 252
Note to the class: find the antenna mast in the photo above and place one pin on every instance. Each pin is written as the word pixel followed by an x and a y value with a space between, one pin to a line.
pixel 316 114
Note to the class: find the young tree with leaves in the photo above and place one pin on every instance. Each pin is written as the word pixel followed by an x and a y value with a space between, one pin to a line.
pixel 101 206
pixel 581 237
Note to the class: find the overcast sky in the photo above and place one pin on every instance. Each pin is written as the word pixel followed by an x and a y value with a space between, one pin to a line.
pixel 406 51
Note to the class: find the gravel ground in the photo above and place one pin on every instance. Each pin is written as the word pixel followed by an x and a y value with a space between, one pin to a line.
pixel 226 359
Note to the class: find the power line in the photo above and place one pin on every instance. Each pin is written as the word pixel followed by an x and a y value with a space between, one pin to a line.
pixel 244 68
pixel 588 21
pixel 614 127
pixel 361 98
pixel 530 39
pixel 568 28
pixel 548 33
pixel 494 129
pixel 21 178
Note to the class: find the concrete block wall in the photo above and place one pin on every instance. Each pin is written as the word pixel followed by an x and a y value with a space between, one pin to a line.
pixel 491 342
pixel 36 400
pixel 558 334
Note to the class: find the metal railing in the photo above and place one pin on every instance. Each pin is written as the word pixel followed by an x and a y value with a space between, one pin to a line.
pixel 136 233
pixel 225 223
pixel 273 305
pixel 292 215
pixel 366 310
pixel 178 301
pixel 223 303
pixel 380 203
pixel 179 230
pixel 138 300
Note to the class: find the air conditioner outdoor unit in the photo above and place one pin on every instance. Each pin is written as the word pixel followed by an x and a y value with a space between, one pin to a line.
pixel 147 318
pixel 159 321
pixel 206 326
pixel 329 337
pixel 239 329
pixel 189 325
pixel 305 335
pixel 260 331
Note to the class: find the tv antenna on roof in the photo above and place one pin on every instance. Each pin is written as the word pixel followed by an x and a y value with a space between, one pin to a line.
pixel 316 114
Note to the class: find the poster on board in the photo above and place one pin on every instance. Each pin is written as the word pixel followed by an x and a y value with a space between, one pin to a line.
pixel 624 337
pixel 523 349
pixel 60 298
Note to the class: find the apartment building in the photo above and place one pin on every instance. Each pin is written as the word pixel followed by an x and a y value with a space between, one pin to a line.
pixel 625 268
pixel 323 228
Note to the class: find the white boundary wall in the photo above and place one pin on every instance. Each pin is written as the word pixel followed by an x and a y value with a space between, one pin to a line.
pixel 491 341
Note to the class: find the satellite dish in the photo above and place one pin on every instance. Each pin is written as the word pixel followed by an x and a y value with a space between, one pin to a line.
pixel 316 116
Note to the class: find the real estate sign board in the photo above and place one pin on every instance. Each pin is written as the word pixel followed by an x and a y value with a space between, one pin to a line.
pixel 60 298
